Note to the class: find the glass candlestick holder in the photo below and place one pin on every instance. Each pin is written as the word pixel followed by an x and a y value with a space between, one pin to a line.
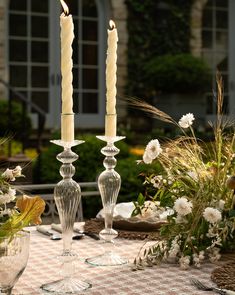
pixel 109 182
pixel 67 195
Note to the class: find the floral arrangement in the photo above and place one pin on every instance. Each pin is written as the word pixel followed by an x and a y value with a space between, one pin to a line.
pixel 27 210
pixel 196 190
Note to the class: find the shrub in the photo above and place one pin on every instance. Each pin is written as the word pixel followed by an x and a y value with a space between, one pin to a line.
pixel 16 121
pixel 180 73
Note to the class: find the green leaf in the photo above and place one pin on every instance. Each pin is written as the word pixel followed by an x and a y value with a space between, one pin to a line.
pixel 231 213
pixel 141 199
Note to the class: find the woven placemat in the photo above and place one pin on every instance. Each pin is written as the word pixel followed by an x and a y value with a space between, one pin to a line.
pixel 96 225
pixel 224 276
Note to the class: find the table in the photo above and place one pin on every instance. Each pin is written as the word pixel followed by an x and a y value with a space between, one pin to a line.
pixel 167 279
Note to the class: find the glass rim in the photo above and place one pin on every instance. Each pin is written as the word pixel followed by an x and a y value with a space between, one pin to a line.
pixel 20 233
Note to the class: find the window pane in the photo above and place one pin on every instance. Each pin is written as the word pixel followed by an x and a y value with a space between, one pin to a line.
pixel 18 25
pixel 219 58
pixel 89 8
pixel 39 6
pixel 18 50
pixel 18 5
pixel 89 80
pixel 223 64
pixel 39 26
pixel 75 78
pixel 222 40
pixel 89 30
pixel 75 102
pixel 39 51
pixel 226 105
pixel 225 82
pixel 90 55
pixel 18 76
pixel 209 105
pixel 73 6
pixel 207 39
pixel 90 103
pixel 40 77
pixel 221 19
pixel 207 18
pixel 75 44
pixel 208 57
pixel 41 100
pixel 221 3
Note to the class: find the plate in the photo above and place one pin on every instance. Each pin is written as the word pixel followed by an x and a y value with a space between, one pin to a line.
pixel 122 219
pixel 137 224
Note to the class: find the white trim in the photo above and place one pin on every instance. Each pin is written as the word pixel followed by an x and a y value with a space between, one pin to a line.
pixel 231 58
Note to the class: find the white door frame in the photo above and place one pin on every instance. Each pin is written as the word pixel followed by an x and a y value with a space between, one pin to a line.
pixel 231 58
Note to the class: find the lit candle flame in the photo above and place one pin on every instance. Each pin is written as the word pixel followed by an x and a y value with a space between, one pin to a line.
pixel 65 7
pixel 112 25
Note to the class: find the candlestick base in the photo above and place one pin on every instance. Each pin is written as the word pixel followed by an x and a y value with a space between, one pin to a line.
pixel 107 259
pixel 66 286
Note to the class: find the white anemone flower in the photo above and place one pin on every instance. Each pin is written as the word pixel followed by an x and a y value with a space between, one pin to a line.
pixel 147 159
pixel 182 206
pixel 153 149
pixel 186 120
pixel 212 215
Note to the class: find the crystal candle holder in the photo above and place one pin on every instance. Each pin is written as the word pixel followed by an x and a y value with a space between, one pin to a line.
pixel 109 183
pixel 67 195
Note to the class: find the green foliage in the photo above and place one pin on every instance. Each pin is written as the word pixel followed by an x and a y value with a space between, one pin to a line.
pixel 180 73
pixel 155 28
pixel 16 121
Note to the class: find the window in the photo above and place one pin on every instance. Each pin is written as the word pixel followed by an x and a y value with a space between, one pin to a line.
pixel 28 50
pixel 34 57
pixel 215 47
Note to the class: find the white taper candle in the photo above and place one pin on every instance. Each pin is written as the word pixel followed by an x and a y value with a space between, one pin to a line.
pixel 67 36
pixel 111 79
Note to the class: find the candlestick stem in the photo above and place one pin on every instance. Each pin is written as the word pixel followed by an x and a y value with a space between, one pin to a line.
pixel 109 183
pixel 67 194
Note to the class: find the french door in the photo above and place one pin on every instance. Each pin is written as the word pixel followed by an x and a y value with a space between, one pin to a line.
pixel 34 57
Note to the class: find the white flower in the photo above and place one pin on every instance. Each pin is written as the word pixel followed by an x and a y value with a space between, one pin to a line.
pixel 147 159
pixel 12 193
pixel 221 204
pixel 182 206
pixel 157 181
pixel 212 215
pixel 17 171
pixel 186 120
pixel 153 149
pixel 149 209
pixel 214 255
pixel 8 196
pixel 175 247
pixel 184 262
pixel 8 174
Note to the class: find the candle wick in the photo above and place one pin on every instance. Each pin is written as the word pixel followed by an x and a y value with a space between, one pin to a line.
pixel 112 25
pixel 66 13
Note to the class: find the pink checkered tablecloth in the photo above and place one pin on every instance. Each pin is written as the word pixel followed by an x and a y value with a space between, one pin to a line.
pixel 43 267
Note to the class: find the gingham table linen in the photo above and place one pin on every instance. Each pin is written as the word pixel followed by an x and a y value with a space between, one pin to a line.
pixel 166 279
